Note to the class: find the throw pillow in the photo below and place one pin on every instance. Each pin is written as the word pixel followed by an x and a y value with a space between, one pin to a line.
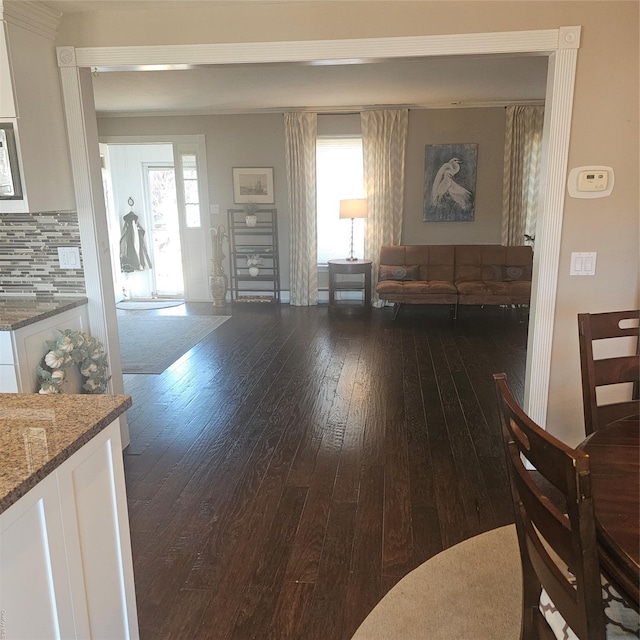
pixel 398 272
pixel 510 273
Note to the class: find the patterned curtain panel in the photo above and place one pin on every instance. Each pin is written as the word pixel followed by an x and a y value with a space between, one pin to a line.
pixel 384 140
pixel 300 139
pixel 522 153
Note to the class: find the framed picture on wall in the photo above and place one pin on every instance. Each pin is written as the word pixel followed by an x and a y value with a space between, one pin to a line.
pixel 449 182
pixel 253 185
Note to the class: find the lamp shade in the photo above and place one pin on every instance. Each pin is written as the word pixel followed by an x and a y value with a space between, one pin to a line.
pixel 356 208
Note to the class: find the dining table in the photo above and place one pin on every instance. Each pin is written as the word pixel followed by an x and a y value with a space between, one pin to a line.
pixel 614 452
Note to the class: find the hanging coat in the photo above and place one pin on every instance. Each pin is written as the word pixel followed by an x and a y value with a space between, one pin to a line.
pixel 133 252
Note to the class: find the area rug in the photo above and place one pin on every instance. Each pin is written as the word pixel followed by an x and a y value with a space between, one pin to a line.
pixel 471 590
pixel 147 304
pixel 149 344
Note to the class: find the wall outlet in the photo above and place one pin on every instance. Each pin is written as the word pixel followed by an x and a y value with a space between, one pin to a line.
pixel 69 257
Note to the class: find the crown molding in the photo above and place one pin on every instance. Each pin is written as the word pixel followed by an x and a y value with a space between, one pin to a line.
pixel 33 16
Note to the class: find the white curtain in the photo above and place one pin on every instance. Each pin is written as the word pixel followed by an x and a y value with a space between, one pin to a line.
pixel 300 139
pixel 384 140
pixel 522 153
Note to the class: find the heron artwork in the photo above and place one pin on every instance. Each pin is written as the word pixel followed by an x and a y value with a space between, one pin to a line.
pixel 444 185
pixel 449 182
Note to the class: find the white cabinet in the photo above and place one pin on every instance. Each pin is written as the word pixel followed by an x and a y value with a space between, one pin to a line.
pixel 22 350
pixel 65 551
pixel 31 100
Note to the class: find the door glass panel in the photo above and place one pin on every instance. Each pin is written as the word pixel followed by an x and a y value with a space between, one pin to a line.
pixel 167 256
pixel 191 196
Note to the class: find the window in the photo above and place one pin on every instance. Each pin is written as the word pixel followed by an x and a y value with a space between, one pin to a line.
pixel 191 198
pixel 339 176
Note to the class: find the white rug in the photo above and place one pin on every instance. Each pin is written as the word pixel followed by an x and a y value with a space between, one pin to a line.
pixel 471 591
pixel 149 344
pixel 147 304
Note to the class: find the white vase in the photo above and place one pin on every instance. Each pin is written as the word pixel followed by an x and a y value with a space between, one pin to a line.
pixel 251 220
pixel 254 271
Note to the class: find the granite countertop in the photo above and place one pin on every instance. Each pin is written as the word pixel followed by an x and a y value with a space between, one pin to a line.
pixel 20 312
pixel 39 432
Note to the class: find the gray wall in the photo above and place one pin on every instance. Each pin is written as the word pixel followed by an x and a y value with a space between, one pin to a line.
pixel 231 141
pixel 258 141
pixel 484 127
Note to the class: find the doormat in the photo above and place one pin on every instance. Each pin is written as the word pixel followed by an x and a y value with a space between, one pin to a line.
pixel 125 305
pixel 149 344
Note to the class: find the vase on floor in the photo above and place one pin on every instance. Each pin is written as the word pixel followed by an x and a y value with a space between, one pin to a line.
pixel 218 287
pixel 218 280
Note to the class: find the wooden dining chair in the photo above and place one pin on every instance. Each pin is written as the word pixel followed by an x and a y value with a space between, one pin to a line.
pixel 607 371
pixel 562 589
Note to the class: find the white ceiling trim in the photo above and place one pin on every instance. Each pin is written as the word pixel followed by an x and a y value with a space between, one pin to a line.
pixel 321 109
pixel 366 49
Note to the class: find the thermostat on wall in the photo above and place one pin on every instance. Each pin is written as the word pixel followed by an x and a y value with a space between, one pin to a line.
pixel 591 182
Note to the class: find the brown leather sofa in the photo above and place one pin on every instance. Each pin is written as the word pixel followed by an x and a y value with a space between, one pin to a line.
pixel 455 274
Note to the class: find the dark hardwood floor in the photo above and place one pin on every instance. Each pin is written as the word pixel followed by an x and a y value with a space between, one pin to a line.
pixel 286 472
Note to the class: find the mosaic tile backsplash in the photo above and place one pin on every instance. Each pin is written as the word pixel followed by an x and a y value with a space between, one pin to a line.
pixel 29 255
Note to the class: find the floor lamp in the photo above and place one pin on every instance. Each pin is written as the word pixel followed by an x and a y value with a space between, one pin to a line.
pixel 356 208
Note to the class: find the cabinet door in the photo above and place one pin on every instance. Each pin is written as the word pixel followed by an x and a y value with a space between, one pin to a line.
pixel 35 600
pixel 94 509
pixel 31 346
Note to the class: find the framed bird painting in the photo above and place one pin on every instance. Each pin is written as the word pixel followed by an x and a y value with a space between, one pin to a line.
pixel 449 182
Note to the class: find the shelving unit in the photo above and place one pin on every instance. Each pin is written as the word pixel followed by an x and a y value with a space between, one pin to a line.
pixel 260 240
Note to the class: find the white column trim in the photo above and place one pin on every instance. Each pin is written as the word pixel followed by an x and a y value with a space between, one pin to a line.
pixel 561 45
pixel 557 127
pixel 77 94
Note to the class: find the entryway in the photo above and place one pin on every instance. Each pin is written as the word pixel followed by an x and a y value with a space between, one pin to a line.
pixel 155 215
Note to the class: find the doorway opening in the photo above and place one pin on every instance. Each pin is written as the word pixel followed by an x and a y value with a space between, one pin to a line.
pixel 160 182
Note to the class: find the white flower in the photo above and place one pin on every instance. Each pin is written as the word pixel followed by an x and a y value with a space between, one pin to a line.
pixel 88 370
pixel 54 359
pixel 79 348
pixel 65 344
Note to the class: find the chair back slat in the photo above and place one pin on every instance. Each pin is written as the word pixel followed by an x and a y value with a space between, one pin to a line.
pixel 558 550
pixel 616 370
pixel 607 371
pixel 607 325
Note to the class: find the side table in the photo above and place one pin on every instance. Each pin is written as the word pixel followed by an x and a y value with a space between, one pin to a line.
pixel 361 269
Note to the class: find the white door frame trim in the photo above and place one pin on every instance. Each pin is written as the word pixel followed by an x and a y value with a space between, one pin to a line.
pixel 560 45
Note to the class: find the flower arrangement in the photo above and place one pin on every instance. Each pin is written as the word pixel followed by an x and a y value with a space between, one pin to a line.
pixel 73 347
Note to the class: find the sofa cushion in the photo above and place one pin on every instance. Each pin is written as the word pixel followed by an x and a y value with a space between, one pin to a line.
pixel 475 262
pixel 418 287
pixel 429 287
pixel 510 273
pixel 473 288
pixel 509 288
pixel 398 272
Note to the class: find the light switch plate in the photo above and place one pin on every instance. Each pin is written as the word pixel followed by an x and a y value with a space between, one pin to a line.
pixel 583 263
pixel 69 257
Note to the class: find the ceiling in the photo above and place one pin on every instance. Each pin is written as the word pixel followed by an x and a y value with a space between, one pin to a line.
pixel 456 81
pixel 422 83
